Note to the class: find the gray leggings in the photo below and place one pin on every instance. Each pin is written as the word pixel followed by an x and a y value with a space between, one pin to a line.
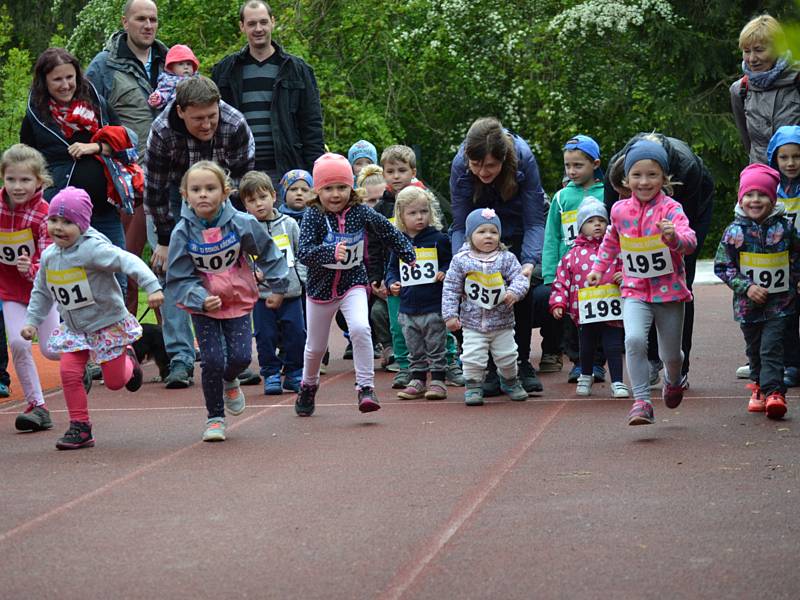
pixel 637 317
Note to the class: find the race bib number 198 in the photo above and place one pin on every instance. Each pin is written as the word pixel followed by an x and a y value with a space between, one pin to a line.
pixel 645 257
pixel 598 304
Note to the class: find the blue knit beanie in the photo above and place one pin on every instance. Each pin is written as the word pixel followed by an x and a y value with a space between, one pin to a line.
pixel 362 149
pixel 482 216
pixel 644 150
pixel 290 178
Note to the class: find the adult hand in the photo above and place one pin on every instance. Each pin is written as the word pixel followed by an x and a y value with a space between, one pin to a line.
pixel 453 324
pixel 380 290
pixel 159 259
pixel 757 294
pixel 593 278
pixel 212 303
pixel 527 269
pixel 274 301
pixel 558 312
pixel 510 298
pixel 27 332
pixel 78 149
pixel 155 299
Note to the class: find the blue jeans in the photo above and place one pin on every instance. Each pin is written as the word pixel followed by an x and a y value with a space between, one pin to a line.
pixel 110 226
pixel 284 327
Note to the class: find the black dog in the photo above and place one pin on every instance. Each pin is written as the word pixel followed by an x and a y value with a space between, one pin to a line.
pixel 151 345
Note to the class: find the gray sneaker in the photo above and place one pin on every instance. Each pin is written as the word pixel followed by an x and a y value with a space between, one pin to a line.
pixel 473 394
pixel 401 380
pixel 179 377
pixel 551 363
pixel 453 375
pixel 35 418
pixel 234 398
pixel 215 430
pixel 513 389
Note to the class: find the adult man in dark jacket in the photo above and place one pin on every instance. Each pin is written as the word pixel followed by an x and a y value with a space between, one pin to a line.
pixel 277 93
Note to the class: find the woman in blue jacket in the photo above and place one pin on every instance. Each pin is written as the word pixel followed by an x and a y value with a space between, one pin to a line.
pixel 496 169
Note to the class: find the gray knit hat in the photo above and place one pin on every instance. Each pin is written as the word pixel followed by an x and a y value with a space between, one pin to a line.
pixel 590 207
pixel 482 216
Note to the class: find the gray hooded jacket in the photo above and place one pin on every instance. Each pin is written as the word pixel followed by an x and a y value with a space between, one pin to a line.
pixel 286 225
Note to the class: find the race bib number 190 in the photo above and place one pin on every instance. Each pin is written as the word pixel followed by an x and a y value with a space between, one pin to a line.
pixel 645 257
pixel 770 271
pixel 598 304
pixel 14 244
pixel 70 288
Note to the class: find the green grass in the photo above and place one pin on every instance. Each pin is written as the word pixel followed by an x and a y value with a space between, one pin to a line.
pixel 150 317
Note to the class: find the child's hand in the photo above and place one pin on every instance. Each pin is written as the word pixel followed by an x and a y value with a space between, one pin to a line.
pixel 558 312
pixel 27 332
pixel 453 324
pixel 154 100
pixel 440 275
pixel 510 298
pixel 757 294
pixel 212 303
pixel 667 228
pixel 259 275
pixel 274 301
pixel 379 290
pixel 618 277
pixel 24 264
pixel 395 288
pixel 593 278
pixel 339 253
pixel 155 299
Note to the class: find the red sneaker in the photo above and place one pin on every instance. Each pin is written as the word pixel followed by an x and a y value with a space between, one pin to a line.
pixel 757 401
pixel 776 405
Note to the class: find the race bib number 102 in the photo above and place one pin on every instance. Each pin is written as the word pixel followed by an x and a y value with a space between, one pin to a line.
pixel 215 257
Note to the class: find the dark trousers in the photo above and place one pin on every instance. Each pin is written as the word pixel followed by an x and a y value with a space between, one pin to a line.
pixel 764 347
pixel 218 362
pixel 5 378
pixel 551 329
pixel 282 327
pixel 612 340
pixel 791 338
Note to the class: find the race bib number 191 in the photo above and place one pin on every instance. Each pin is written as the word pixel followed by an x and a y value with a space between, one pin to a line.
pixel 598 304
pixel 14 244
pixel 645 257
pixel 770 271
pixel 70 287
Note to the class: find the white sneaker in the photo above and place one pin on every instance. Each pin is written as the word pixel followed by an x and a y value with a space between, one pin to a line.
pixel 619 390
pixel 584 387
pixel 743 372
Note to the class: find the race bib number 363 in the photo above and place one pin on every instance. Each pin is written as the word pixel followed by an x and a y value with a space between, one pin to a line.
pixel 70 287
pixel 770 271
pixel 487 290
pixel 14 244
pixel 645 257
pixel 215 257
pixel 423 271
pixel 598 304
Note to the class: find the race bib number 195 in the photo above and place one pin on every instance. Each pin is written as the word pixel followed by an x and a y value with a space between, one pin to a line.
pixel 645 257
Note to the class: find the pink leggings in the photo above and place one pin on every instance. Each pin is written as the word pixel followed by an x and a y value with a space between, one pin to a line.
pixel 116 374
pixel 319 316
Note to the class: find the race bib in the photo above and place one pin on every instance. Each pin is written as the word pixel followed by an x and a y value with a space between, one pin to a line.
pixel 353 249
pixel 770 271
pixel 486 290
pixel 215 257
pixel 423 271
pixel 70 287
pixel 284 244
pixel 645 257
pixel 598 304
pixel 792 206
pixel 569 226
pixel 14 244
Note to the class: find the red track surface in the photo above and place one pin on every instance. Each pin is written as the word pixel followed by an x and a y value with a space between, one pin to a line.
pixel 555 497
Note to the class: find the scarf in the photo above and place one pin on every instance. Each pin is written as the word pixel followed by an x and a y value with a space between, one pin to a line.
pixel 77 116
pixel 764 79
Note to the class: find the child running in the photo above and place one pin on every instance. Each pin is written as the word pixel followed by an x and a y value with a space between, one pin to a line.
pixel 597 312
pixel 283 325
pixel 420 291
pixel 77 272
pixel 652 233
pixel 759 258
pixel 332 240
pixel 210 277
pixel 481 286
pixel 23 238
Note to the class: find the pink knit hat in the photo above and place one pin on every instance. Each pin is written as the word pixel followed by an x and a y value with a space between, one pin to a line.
pixel 761 178
pixel 330 169
pixel 179 53
pixel 74 205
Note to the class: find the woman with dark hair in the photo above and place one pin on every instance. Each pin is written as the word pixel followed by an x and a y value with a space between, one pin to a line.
pixel 64 112
pixel 496 169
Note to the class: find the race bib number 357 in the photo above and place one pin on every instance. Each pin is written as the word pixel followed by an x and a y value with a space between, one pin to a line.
pixel 70 287
pixel 487 290
pixel 598 304
pixel 770 271
pixel 14 244
pixel 645 257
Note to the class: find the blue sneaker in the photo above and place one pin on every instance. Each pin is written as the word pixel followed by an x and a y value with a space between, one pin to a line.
pixel 791 377
pixel 291 381
pixel 599 374
pixel 574 373
pixel 4 391
pixel 272 385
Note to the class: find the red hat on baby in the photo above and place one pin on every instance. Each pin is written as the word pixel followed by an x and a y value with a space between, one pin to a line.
pixel 332 168
pixel 179 53
pixel 760 178
pixel 74 205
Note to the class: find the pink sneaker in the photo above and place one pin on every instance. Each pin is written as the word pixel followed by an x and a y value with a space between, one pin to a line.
pixel 414 390
pixel 436 391
pixel 672 395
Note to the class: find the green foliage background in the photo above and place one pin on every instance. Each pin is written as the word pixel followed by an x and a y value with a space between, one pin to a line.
pixel 420 71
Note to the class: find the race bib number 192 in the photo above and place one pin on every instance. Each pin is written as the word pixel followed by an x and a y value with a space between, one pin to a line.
pixel 770 271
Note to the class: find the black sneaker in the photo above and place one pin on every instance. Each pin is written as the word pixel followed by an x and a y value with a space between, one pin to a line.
pixel 87 379
pixel 95 372
pixel 79 435
pixel 304 403
pixel 367 400
pixel 348 352
pixel 35 418
pixel 528 378
pixel 135 382
pixel 178 378
pixel 249 377
pixel 491 385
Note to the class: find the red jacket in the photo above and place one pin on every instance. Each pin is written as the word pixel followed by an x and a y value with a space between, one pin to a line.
pixel 31 215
